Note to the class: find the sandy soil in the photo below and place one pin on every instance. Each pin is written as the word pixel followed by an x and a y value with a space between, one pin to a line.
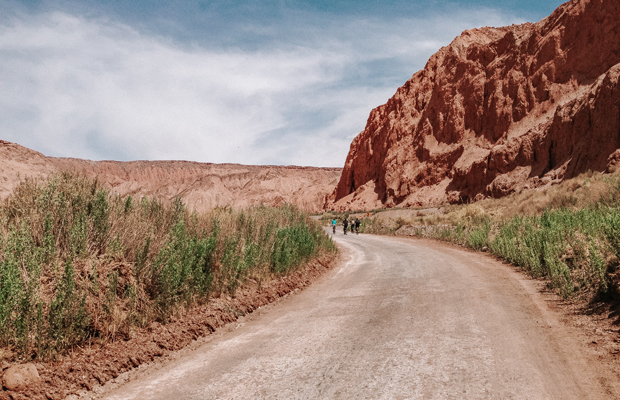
pixel 401 319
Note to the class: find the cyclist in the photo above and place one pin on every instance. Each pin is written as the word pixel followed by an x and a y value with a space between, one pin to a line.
pixel 334 223
pixel 357 225
pixel 345 223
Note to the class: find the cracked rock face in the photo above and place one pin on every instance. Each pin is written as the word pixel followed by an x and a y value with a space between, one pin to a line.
pixel 496 111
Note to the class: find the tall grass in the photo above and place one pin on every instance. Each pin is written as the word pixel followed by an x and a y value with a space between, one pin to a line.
pixel 79 263
pixel 575 249
pixel 573 242
pixel 570 247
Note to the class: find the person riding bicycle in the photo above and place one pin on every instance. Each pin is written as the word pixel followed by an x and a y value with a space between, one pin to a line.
pixel 345 223
pixel 334 223
pixel 357 225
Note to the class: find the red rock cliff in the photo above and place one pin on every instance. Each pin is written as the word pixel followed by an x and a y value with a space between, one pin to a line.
pixel 498 110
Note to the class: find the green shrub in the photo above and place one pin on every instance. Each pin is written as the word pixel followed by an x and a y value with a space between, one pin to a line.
pixel 478 237
pixel 293 245
pixel 128 262
pixel 68 318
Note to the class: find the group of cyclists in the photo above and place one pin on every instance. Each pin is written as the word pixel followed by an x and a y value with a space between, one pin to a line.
pixel 354 225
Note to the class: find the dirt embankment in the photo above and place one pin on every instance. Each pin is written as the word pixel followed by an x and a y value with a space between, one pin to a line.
pixel 201 186
pixel 87 368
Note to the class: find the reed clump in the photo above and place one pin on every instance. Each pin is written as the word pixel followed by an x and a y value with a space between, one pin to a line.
pixel 79 263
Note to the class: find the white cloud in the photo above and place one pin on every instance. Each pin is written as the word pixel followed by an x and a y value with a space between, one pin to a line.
pixel 72 86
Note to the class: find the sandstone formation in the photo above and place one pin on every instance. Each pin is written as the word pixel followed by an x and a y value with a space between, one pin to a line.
pixel 201 186
pixel 497 111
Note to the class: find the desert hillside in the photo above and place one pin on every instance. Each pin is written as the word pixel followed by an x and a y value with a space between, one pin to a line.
pixel 497 111
pixel 202 186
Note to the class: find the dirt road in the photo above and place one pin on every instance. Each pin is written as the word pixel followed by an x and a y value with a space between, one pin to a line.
pixel 401 319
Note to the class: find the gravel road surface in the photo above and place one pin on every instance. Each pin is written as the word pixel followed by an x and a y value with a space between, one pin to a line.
pixel 398 319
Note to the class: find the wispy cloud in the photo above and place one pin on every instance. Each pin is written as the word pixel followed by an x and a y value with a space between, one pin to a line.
pixel 99 89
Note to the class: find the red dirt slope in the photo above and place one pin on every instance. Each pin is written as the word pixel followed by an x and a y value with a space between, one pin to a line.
pixel 496 111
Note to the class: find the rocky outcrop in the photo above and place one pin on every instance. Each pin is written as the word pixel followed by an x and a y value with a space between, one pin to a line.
pixel 496 111
pixel 201 186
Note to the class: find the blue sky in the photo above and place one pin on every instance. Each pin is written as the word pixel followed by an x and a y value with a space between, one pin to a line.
pixel 285 82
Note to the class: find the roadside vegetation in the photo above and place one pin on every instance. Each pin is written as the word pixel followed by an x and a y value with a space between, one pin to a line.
pixel 79 264
pixel 568 233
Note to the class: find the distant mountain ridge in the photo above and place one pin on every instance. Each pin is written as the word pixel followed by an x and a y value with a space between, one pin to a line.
pixel 497 111
pixel 201 186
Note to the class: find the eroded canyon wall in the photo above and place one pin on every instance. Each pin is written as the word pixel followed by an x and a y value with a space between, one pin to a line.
pixel 201 186
pixel 496 111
